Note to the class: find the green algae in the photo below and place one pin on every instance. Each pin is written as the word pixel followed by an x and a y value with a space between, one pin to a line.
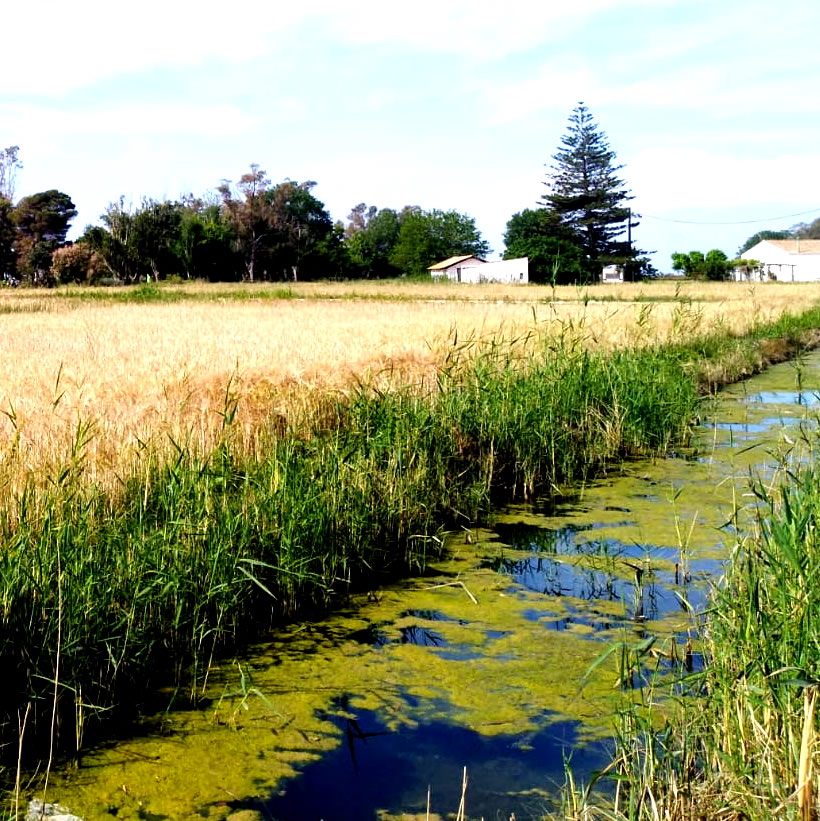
pixel 497 666
pixel 244 745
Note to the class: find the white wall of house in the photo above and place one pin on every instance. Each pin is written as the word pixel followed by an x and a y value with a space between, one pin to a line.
pixel 460 271
pixel 470 272
pixel 783 264
pixel 475 271
pixel 512 271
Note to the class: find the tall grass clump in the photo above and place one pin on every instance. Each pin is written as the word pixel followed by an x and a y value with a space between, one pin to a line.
pixel 739 739
pixel 105 593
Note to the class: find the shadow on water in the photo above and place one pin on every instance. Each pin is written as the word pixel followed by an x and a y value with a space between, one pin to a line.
pixel 373 769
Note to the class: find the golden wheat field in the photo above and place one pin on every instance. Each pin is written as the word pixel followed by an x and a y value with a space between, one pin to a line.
pixel 131 372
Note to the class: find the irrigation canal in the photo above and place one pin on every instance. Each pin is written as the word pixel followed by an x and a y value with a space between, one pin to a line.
pixel 481 663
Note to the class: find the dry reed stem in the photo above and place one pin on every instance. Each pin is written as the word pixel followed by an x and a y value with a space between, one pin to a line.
pixel 472 598
pixel 805 782
pixel 461 815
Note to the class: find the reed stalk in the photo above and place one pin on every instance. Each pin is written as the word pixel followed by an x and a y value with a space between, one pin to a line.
pixel 108 593
pixel 737 740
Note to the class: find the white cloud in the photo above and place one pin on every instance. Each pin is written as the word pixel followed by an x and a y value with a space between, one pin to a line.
pixel 136 120
pixel 58 46
pixel 467 27
pixel 672 178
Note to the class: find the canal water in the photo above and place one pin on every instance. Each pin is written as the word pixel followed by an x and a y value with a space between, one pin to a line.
pixel 487 662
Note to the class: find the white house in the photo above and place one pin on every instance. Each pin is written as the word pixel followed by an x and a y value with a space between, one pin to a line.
pixel 476 270
pixel 612 273
pixel 785 260
pixel 457 269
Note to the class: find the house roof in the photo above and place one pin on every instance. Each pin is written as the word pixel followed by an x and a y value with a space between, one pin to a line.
pixel 440 266
pixel 797 246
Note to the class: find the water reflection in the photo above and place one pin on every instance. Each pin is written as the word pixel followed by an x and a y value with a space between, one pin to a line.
pixel 381 770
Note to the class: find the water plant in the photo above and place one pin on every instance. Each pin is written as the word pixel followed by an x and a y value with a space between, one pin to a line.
pixel 738 738
pixel 104 593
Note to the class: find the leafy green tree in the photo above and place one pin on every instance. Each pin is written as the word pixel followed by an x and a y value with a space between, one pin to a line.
pixel 426 237
pixel 690 265
pixel 715 265
pixel 206 244
pixel 42 222
pixel 155 234
pixel 249 215
pixel 555 256
pixel 116 243
pixel 370 237
pixel 584 189
pixel 300 232
pixel 761 235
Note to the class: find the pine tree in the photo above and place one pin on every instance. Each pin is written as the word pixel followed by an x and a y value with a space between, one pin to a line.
pixel 584 189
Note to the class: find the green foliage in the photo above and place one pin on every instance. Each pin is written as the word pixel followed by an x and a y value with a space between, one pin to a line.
pixel 761 235
pixel 715 265
pixel 249 215
pixel 156 226
pixel 426 237
pixel 587 194
pixel 555 257
pixel 206 244
pixel 301 242
pixel 42 221
pixel 165 239
pixel 370 237
pixel 282 231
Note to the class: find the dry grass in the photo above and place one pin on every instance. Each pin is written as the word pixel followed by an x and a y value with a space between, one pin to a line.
pixel 148 371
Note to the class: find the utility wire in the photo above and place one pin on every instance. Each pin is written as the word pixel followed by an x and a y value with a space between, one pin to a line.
pixel 739 222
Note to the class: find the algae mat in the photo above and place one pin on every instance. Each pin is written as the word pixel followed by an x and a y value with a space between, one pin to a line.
pixel 484 662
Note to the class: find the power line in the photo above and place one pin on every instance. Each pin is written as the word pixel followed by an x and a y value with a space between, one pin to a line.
pixel 738 222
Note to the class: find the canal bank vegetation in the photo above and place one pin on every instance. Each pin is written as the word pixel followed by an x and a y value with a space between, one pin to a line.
pixel 107 589
pixel 737 740
pixel 148 365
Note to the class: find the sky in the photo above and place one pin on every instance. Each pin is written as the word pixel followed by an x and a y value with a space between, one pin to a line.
pixel 712 106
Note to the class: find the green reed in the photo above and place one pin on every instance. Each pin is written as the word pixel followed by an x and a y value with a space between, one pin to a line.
pixel 103 596
pixel 738 739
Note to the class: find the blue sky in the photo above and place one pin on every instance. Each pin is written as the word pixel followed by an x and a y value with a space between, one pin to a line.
pixel 713 107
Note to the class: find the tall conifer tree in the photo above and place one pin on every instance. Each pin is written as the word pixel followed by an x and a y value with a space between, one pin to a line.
pixel 584 189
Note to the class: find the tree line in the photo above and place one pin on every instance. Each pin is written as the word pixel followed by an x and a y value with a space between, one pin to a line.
pixel 253 229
